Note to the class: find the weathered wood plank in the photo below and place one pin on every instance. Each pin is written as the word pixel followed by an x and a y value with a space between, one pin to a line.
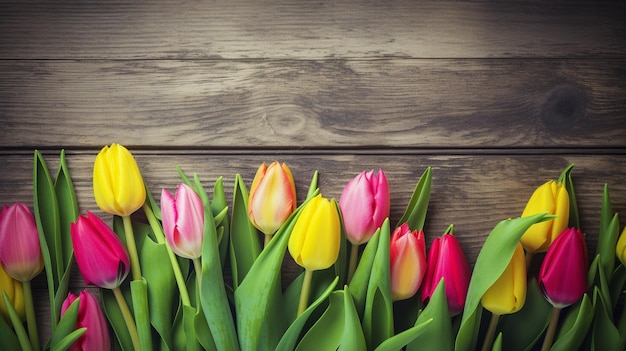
pixel 314 104
pixel 473 192
pixel 308 30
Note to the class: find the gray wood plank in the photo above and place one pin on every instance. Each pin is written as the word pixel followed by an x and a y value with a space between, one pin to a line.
pixel 393 103
pixel 308 30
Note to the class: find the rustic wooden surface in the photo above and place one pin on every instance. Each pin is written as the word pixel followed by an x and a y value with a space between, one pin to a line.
pixel 497 97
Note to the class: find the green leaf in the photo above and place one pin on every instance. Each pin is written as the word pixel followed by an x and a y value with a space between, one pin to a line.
pixel 575 326
pixel 497 344
pixel 437 335
pixel 616 284
pixel 212 290
pixel 66 325
pixel 597 278
pixel 154 206
pixel 313 188
pixel 360 280
pixel 415 213
pixel 353 338
pixel 290 338
pixel 258 298
pixel 16 339
pixel 605 335
pixel 161 283
pixel 189 314
pixel 398 341
pixel 244 238
pixel 68 209
pixel 566 179
pixel 490 263
pixel 69 339
pixel 46 212
pixel 219 208
pixel 141 311
pixel 203 332
pixel 607 240
pixel 378 313
pixel 115 317
pixel 291 296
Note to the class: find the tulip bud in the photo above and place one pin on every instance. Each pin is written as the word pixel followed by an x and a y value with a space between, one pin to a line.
pixel 183 221
pixel 446 260
pixel 100 255
pixel 117 183
pixel 364 204
pixel 620 248
pixel 407 253
pixel 90 316
pixel 316 236
pixel 563 272
pixel 508 294
pixel 272 197
pixel 550 197
pixel 20 251
pixel 13 288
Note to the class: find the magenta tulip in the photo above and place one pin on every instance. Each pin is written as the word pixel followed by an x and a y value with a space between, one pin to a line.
pixel 563 272
pixel 446 260
pixel 90 316
pixel 364 204
pixel 20 251
pixel 183 221
pixel 407 253
pixel 100 255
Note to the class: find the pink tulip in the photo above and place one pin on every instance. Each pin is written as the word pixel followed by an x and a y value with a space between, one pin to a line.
pixel 407 253
pixel 90 316
pixel 563 273
pixel 183 221
pixel 272 197
pixel 446 260
pixel 20 251
pixel 364 204
pixel 100 255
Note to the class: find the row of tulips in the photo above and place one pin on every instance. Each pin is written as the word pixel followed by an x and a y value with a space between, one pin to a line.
pixel 364 284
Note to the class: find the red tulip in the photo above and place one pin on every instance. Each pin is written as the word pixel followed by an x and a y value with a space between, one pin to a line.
pixel 90 316
pixel 407 253
pixel 20 251
pixel 563 272
pixel 100 255
pixel 183 221
pixel 364 204
pixel 446 260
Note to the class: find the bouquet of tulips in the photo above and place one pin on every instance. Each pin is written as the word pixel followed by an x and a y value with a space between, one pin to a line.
pixel 196 272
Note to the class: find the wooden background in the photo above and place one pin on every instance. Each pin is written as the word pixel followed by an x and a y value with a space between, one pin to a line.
pixel 497 97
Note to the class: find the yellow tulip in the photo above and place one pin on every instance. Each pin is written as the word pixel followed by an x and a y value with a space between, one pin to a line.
pixel 550 197
pixel 316 237
pixel 508 294
pixel 13 289
pixel 620 249
pixel 117 183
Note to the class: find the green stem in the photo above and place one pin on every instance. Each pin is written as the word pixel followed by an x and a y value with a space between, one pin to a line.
pixel 304 293
pixel 160 237
pixel 197 265
pixel 31 320
pixel 128 318
pixel 354 257
pixel 491 332
pixel 132 248
pixel 268 238
pixel 554 320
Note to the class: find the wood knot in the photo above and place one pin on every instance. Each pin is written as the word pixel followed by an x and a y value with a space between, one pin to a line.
pixel 563 108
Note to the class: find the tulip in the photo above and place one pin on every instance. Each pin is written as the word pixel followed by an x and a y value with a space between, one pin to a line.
pixel 407 253
pixel 183 221
pixel 508 294
pixel 117 183
pixel 100 254
pixel 20 251
pixel 620 248
pixel 563 272
pixel 563 275
pixel 315 240
pixel 446 260
pixel 551 197
pixel 364 204
pixel 272 197
pixel 90 316
pixel 13 288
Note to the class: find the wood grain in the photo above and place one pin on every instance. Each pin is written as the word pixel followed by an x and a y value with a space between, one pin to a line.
pixel 314 104
pixel 308 30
